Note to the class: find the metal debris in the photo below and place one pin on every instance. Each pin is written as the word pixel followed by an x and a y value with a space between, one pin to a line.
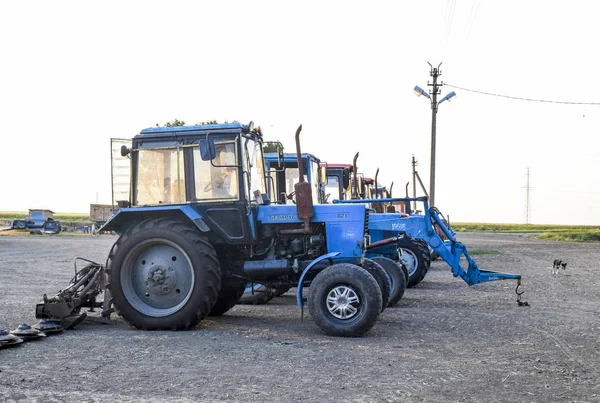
pixel 9 340
pixel 48 326
pixel 27 333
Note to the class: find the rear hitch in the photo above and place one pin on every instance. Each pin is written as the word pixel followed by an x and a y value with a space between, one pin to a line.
pixel 519 293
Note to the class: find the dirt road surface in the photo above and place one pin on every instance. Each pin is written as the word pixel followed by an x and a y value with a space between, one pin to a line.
pixel 444 342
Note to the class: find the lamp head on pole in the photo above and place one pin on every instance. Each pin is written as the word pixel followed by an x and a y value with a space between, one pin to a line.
pixel 447 97
pixel 420 91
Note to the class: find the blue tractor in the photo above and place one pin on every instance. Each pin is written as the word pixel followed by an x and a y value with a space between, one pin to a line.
pixel 399 236
pixel 283 170
pixel 199 225
pixel 343 182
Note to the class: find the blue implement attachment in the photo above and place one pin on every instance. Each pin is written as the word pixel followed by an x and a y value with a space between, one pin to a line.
pixel 422 227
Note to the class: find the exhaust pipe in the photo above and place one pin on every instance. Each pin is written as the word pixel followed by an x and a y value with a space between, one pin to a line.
pixel 304 202
pixel 355 183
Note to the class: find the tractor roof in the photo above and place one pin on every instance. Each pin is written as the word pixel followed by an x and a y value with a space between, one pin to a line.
pixel 191 130
pixel 338 166
pixel 289 157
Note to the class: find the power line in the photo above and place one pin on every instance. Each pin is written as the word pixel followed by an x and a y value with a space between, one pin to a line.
pixel 522 99
pixel 450 8
pixel 472 16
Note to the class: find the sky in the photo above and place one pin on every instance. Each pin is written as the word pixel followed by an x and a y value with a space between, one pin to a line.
pixel 75 74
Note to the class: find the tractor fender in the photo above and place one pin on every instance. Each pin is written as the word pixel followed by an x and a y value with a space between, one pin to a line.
pixel 299 299
pixel 125 218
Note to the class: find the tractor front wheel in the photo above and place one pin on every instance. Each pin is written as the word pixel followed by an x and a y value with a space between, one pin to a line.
pixel 344 300
pixel 163 274
pixel 382 278
pixel 415 257
pixel 396 274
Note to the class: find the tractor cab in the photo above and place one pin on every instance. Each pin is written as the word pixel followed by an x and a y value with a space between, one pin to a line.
pixel 284 174
pixel 214 174
pixel 337 185
pixel 375 190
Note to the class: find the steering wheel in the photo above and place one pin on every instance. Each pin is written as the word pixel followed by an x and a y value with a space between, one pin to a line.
pixel 291 197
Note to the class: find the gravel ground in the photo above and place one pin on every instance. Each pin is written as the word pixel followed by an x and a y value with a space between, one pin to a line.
pixel 444 342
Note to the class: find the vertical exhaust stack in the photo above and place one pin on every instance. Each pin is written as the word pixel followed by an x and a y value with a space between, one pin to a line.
pixel 355 194
pixel 304 201
pixel 378 207
pixel 376 175
pixel 390 208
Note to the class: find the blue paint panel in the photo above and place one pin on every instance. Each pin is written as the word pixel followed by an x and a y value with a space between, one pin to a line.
pixel 278 214
pixel 344 238
pixel 344 224
pixel 126 217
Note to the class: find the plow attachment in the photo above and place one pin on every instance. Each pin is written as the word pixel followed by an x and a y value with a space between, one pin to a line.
pixel 82 292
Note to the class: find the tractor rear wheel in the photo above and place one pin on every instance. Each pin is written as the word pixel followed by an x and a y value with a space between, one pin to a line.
pixel 228 296
pixel 415 257
pixel 344 300
pixel 382 278
pixel 280 290
pixel 397 277
pixel 256 294
pixel 163 274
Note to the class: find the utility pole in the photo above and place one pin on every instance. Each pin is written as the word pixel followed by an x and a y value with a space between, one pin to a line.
pixel 414 181
pixel 527 188
pixel 435 91
pixel 435 73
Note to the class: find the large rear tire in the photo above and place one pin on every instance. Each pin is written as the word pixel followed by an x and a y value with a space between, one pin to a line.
pixel 415 256
pixel 344 300
pixel 382 278
pixel 256 294
pixel 227 298
pixel 397 277
pixel 163 274
pixel 280 290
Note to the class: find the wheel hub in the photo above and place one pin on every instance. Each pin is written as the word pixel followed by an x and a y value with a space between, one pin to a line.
pixel 409 259
pixel 157 277
pixel 161 279
pixel 343 302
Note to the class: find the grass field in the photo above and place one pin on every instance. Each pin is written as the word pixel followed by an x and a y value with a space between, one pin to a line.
pixel 570 233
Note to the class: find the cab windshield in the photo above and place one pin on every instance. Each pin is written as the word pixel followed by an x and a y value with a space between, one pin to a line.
pixel 160 177
pixel 256 167
pixel 332 188
pixel 217 179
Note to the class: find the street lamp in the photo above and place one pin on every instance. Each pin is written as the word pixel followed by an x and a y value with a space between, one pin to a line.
pixel 435 73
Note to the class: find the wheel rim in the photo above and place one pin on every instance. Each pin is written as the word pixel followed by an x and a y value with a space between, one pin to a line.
pixel 343 302
pixel 409 259
pixel 157 277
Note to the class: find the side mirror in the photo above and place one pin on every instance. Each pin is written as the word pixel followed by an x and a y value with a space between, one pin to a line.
pixel 207 150
pixel 125 151
pixel 323 174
